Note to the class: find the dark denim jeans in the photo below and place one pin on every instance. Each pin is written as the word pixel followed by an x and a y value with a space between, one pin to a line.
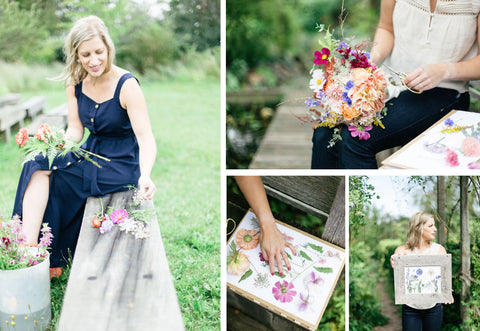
pixel 408 115
pixel 422 319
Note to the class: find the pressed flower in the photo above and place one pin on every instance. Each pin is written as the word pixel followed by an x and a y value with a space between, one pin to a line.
pixel 313 282
pixel 247 239
pixel 22 137
pixel 321 57
pixel 448 122
pixel 262 259
pixel 283 291
pixel 237 263
pixel 474 165
pixel 471 146
pixel 306 301
pixel 419 272
pixel 451 158
pixel 119 216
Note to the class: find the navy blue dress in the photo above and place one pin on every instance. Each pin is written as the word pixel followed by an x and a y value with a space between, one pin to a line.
pixel 73 179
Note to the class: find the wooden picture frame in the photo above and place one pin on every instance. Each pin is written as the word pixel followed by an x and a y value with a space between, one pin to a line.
pixel 314 275
pixel 423 279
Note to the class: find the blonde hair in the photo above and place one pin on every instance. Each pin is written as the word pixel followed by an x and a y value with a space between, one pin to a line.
pixel 415 230
pixel 84 29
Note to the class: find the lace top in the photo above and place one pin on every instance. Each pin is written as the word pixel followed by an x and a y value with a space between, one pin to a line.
pixel 449 34
pixel 432 250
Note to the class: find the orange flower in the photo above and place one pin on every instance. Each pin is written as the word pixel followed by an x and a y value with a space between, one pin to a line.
pixel 349 112
pixel 247 239
pixel 42 132
pixel 22 137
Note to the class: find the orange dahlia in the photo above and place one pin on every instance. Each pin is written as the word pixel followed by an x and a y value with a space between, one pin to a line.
pixel 22 137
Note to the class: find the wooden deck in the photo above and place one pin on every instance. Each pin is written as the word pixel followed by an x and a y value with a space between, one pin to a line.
pixel 287 143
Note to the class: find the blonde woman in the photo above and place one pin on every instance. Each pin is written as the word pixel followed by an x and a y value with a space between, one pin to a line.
pixel 421 234
pixel 106 100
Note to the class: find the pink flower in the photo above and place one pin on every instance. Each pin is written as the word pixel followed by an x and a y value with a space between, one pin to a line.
pixel 283 292
pixel 361 134
pixel 471 146
pixel 305 301
pixel 451 158
pixel 321 57
pixel 119 216
pixel 474 165
pixel 22 137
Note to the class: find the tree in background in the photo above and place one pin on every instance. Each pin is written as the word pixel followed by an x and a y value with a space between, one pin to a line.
pixel 198 21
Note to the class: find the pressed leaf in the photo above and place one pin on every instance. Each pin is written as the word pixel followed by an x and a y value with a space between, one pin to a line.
pixel 247 274
pixel 278 274
pixel 305 256
pixel 325 270
pixel 315 247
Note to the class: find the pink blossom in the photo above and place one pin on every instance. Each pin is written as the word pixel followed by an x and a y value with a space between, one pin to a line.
pixel 361 134
pixel 321 57
pixel 471 146
pixel 451 158
pixel 119 216
pixel 474 165
pixel 283 291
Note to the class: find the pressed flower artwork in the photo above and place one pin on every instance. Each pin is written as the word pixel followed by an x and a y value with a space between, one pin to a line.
pixel 424 280
pixel 452 143
pixel 301 293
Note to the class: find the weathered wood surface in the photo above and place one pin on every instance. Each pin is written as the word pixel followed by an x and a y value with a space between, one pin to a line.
pixel 56 117
pixel 312 194
pixel 10 99
pixel 34 105
pixel 287 143
pixel 334 230
pixel 118 282
pixel 254 97
pixel 11 115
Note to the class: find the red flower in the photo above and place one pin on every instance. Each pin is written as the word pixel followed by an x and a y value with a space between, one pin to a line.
pixel 322 57
pixel 22 137
pixel 451 158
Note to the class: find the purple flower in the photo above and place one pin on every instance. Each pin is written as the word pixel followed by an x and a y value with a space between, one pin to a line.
pixel 342 45
pixel 360 132
pixel 312 103
pixel 320 95
pixel 283 291
pixel 434 147
pixel 305 301
pixel 349 85
pixel 448 122
pixel 47 236
pixel 419 272
pixel 346 98
pixel 474 165
pixel 106 226
pixel 262 259
pixel 322 56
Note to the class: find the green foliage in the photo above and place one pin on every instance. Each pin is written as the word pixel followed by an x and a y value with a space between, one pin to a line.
pixel 260 31
pixel 21 30
pixel 364 304
pixel 360 195
pixel 197 21
pixel 333 318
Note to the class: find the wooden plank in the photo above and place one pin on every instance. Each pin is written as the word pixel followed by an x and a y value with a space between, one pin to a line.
pixel 10 99
pixel 312 194
pixel 34 105
pixel 334 230
pixel 56 117
pixel 118 282
pixel 9 116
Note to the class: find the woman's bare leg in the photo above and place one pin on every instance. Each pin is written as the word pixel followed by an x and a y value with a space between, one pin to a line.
pixel 34 203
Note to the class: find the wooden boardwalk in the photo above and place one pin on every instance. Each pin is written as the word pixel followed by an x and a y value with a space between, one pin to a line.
pixel 287 143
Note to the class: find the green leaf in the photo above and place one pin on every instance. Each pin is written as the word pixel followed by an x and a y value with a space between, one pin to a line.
pixel 247 274
pixel 288 255
pixel 325 270
pixel 233 246
pixel 317 248
pixel 305 256
pixel 281 276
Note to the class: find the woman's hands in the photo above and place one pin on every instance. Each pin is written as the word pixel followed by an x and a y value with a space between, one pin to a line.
pixel 429 76
pixel 273 245
pixel 146 188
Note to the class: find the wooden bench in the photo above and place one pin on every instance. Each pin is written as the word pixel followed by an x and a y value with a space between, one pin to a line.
pixel 11 115
pixel 118 282
pixel 10 99
pixel 34 106
pixel 321 196
pixel 56 117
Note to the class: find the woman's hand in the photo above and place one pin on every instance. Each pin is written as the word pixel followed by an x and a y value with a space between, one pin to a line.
pixel 146 188
pixel 429 76
pixel 273 245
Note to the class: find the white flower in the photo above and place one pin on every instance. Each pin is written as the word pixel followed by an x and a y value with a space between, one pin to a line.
pixel 318 80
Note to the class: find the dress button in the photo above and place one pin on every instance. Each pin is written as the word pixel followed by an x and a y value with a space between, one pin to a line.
pixel 91 120
pixel 54 168
pixel 69 163
pixel 96 106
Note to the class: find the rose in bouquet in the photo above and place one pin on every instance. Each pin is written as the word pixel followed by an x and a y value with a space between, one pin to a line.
pixel 348 88
pixel 51 143
pixel 14 254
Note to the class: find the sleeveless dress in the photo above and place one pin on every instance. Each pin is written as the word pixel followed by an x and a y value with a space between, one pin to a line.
pixel 73 179
pixel 432 250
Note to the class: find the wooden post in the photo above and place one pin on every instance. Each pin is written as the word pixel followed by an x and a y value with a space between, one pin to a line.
pixel 441 209
pixel 465 240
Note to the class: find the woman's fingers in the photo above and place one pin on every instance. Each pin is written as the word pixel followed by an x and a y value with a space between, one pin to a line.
pixel 292 248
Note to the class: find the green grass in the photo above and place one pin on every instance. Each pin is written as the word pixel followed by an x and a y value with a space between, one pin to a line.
pixel 185 119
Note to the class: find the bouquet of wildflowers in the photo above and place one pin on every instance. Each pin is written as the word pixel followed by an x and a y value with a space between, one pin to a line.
pixel 13 252
pixel 348 88
pixel 51 143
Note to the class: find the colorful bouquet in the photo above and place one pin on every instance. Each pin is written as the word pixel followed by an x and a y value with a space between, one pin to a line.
pixel 348 88
pixel 51 143
pixel 14 254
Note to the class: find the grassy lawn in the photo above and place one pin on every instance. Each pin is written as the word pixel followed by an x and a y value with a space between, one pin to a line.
pixel 185 118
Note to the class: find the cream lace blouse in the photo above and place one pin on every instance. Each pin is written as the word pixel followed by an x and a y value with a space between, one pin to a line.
pixel 449 34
